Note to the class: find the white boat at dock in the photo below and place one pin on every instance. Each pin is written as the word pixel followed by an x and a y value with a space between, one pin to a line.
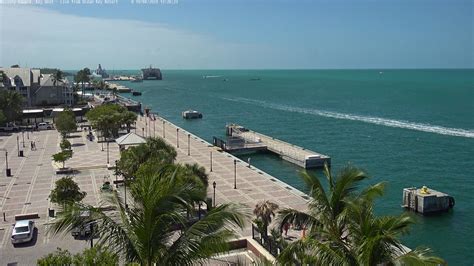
pixel 191 114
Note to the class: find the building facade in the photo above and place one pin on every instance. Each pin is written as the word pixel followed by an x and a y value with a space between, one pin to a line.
pixel 37 89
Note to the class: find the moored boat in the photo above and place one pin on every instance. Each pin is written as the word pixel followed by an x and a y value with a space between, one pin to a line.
pixel 191 114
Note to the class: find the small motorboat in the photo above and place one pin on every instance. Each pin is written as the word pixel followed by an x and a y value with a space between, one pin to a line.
pixel 191 114
pixel 136 93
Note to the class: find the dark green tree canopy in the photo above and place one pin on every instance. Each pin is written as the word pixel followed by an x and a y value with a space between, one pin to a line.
pixel 66 192
pixel 11 103
pixel 155 149
pixel 3 119
pixel 65 145
pixel 89 257
pixel 109 118
pixel 66 122
pixel 62 157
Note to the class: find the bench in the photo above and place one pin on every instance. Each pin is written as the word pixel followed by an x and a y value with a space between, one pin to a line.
pixel 26 216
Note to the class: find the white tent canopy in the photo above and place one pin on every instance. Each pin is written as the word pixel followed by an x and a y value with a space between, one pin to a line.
pixel 130 139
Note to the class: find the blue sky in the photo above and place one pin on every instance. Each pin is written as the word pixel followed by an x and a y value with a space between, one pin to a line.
pixel 241 34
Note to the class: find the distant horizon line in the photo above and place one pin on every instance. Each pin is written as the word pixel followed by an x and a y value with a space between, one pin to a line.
pixel 291 69
pixel 261 69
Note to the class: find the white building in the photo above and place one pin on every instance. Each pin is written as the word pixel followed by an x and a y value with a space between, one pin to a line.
pixel 37 89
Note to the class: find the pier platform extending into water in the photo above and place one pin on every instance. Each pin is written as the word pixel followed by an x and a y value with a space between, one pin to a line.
pixel 424 200
pixel 236 181
pixel 243 140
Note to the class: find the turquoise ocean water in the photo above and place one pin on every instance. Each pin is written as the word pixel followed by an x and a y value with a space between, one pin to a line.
pixel 405 127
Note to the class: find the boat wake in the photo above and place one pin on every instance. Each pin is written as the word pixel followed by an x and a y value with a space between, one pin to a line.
pixel 457 132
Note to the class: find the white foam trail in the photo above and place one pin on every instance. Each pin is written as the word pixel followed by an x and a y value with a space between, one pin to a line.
pixel 457 132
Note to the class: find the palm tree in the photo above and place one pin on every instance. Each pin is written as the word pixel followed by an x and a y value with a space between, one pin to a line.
pixel 82 76
pixel 375 240
pixel 155 228
pixel 128 118
pixel 58 75
pixel 199 171
pixel 11 103
pixel 154 149
pixel 338 233
pixel 264 211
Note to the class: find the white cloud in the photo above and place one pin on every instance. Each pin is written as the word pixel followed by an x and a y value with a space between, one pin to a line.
pixel 40 37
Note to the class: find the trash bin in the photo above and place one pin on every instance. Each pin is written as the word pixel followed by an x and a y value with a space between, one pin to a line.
pixel 21 153
pixel 51 212
pixel 9 172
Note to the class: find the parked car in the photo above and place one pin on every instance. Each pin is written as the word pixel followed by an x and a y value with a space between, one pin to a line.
pixel 23 231
pixel 10 127
pixel 45 125
pixel 84 231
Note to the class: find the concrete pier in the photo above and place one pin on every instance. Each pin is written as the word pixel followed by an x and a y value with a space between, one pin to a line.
pixel 235 180
pixel 245 140
pixel 426 200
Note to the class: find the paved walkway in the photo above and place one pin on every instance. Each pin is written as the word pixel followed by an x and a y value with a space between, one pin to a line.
pixel 253 185
pixel 33 178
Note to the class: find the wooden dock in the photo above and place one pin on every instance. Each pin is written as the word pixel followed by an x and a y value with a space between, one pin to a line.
pixel 243 140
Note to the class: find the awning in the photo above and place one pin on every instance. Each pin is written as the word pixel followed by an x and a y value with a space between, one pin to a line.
pixel 130 139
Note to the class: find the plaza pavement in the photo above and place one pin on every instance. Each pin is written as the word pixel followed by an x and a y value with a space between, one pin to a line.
pixel 33 178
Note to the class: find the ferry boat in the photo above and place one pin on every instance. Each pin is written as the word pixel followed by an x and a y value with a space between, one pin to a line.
pixel 152 73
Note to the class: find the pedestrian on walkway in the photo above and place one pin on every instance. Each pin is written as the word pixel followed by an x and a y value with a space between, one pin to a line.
pixel 31 144
pixel 34 145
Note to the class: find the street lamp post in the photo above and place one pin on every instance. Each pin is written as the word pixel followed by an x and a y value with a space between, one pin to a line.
pixel 164 129
pixel 23 138
pixel 135 127
pixel 107 153
pixel 211 160
pixel 177 139
pixel 189 148
pixel 116 174
pixel 28 134
pixel 18 144
pixel 143 132
pixel 214 186
pixel 235 174
pixel 154 127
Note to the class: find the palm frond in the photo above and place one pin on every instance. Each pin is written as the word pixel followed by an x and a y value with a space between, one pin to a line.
pixel 420 256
